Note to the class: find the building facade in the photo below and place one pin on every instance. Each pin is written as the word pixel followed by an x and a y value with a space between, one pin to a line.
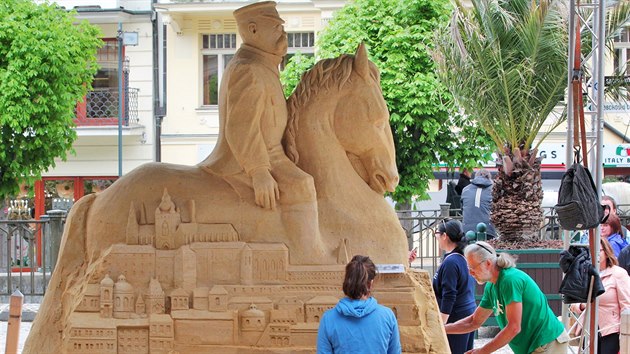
pixel 97 162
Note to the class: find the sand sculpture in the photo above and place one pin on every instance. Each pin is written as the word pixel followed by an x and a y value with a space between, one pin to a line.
pixel 177 259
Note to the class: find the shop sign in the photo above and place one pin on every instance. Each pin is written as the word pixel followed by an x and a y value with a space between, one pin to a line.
pixel 612 107
pixel 616 155
pixel 552 154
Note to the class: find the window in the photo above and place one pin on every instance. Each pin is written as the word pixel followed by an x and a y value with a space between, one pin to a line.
pixel 622 52
pixel 301 39
pixel 303 42
pixel 217 51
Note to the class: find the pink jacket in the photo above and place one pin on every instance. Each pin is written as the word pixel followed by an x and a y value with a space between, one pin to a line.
pixel 616 298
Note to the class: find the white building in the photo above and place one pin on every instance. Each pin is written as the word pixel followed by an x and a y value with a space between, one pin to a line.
pixel 96 162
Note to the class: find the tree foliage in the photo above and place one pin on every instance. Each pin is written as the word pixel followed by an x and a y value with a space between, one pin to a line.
pixel 506 64
pixel 399 37
pixel 292 73
pixel 47 63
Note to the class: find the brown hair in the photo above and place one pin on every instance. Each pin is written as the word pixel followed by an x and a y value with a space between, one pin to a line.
pixel 615 223
pixel 611 260
pixel 611 200
pixel 359 274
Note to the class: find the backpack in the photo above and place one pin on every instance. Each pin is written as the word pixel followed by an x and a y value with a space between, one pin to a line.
pixel 578 207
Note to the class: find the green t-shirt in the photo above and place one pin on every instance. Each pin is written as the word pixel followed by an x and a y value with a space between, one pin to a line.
pixel 539 325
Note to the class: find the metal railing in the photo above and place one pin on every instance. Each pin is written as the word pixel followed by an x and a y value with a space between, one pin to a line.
pixel 28 253
pixel 420 226
pixel 101 107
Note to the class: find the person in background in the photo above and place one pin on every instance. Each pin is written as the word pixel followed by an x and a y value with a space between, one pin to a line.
pixel 611 231
pixel 477 203
pixel 612 302
pixel 527 323
pixel 612 204
pixel 453 286
pixel 358 324
pixel 464 180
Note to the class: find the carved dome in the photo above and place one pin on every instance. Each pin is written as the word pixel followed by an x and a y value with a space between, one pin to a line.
pixel 122 286
pixel 107 281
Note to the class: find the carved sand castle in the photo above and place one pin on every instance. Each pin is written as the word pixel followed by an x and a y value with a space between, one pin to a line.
pixel 176 259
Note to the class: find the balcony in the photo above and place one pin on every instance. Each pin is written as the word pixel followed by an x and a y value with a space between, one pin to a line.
pixel 100 108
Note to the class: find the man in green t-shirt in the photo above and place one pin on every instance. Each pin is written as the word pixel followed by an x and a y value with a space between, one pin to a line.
pixel 527 323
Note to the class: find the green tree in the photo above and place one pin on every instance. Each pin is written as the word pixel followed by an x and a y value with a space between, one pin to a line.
pixel 292 73
pixel 399 37
pixel 47 63
pixel 505 62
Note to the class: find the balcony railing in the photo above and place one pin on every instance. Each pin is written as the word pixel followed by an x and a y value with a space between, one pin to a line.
pixel 101 108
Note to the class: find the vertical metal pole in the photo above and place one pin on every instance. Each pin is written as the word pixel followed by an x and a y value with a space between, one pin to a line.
pixel 120 96
pixel 599 97
pixel 569 142
pixel 55 234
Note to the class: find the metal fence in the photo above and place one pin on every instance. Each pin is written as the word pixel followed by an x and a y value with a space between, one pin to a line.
pixel 420 227
pixel 28 253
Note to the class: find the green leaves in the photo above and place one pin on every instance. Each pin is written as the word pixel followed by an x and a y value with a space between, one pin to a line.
pixel 505 64
pixel 46 65
pixel 292 73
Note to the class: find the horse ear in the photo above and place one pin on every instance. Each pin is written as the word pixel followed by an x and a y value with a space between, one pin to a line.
pixel 361 65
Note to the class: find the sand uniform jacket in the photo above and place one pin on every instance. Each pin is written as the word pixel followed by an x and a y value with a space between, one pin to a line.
pixel 252 115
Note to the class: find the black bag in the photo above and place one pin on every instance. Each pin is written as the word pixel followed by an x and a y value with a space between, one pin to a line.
pixel 578 207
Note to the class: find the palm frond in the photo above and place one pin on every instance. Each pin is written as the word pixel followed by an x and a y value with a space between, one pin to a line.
pixel 507 65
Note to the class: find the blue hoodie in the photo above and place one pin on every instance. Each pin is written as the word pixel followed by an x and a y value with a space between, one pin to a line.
pixel 358 326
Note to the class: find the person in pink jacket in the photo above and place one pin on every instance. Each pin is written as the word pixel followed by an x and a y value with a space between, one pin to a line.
pixel 612 302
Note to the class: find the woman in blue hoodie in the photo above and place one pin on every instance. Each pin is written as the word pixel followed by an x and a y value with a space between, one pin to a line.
pixel 358 324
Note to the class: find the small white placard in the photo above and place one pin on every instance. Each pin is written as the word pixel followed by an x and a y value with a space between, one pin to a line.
pixel 130 38
pixel 390 268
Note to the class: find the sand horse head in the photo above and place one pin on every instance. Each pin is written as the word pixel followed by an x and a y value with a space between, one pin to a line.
pixel 341 98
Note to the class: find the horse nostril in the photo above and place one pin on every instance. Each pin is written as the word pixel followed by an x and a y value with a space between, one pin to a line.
pixel 381 180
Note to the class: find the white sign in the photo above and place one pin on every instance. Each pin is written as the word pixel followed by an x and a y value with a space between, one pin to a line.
pixel 616 155
pixel 613 107
pixel 390 268
pixel 553 154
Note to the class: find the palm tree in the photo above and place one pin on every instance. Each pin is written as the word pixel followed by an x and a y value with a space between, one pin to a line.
pixel 505 62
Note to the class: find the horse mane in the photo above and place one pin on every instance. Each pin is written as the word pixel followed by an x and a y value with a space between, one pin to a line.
pixel 324 75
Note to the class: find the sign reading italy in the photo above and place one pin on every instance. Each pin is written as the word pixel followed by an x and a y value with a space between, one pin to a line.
pixel 617 155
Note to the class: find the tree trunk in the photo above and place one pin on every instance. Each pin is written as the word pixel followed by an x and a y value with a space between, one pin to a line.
pixel 517 196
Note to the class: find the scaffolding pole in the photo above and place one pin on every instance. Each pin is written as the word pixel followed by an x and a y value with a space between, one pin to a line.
pixel 592 19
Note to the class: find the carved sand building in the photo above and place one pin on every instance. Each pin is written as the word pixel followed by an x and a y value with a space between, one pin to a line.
pixel 260 300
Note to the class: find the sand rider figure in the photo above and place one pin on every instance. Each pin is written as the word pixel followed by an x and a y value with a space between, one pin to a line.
pixel 252 121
